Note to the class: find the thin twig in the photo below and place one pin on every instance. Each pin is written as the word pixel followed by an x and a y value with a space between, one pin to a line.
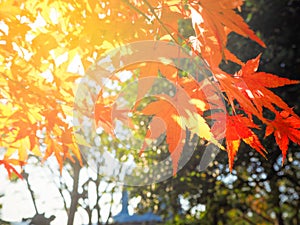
pixel 25 175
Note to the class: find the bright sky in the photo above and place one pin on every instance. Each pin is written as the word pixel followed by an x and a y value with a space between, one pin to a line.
pixel 17 203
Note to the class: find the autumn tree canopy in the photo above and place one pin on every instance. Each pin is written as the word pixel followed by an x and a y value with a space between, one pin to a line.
pixel 47 47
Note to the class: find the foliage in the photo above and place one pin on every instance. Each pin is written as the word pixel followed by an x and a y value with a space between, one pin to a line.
pixel 41 40
pixel 257 191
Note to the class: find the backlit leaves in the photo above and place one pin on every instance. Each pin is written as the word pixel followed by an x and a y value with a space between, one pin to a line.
pixel 285 127
pixel 46 46
pixel 254 85
pixel 212 22
pixel 238 128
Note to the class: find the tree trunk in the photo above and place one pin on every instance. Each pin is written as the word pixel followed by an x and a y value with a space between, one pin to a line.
pixel 75 194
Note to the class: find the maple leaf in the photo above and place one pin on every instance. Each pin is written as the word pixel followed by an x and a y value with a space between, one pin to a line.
pixel 36 59
pixel 251 89
pixel 103 118
pixel 9 166
pixel 238 128
pixel 69 143
pixel 173 115
pixel 285 127
pixel 107 111
pixel 254 85
pixel 212 22
pixel 227 84
pixel 164 111
pixel 60 143
pixel 204 95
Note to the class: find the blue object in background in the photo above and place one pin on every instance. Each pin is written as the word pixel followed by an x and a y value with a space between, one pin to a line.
pixel 124 217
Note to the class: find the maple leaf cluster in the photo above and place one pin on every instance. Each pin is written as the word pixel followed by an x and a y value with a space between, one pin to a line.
pixel 248 90
pixel 47 46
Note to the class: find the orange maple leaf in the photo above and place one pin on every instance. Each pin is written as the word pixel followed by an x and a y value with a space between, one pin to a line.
pixel 106 113
pixel 164 111
pixel 212 22
pixel 103 117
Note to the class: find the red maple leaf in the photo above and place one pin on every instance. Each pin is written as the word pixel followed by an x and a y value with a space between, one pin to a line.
pixel 285 128
pixel 251 89
pixel 238 128
pixel 9 166
pixel 255 86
